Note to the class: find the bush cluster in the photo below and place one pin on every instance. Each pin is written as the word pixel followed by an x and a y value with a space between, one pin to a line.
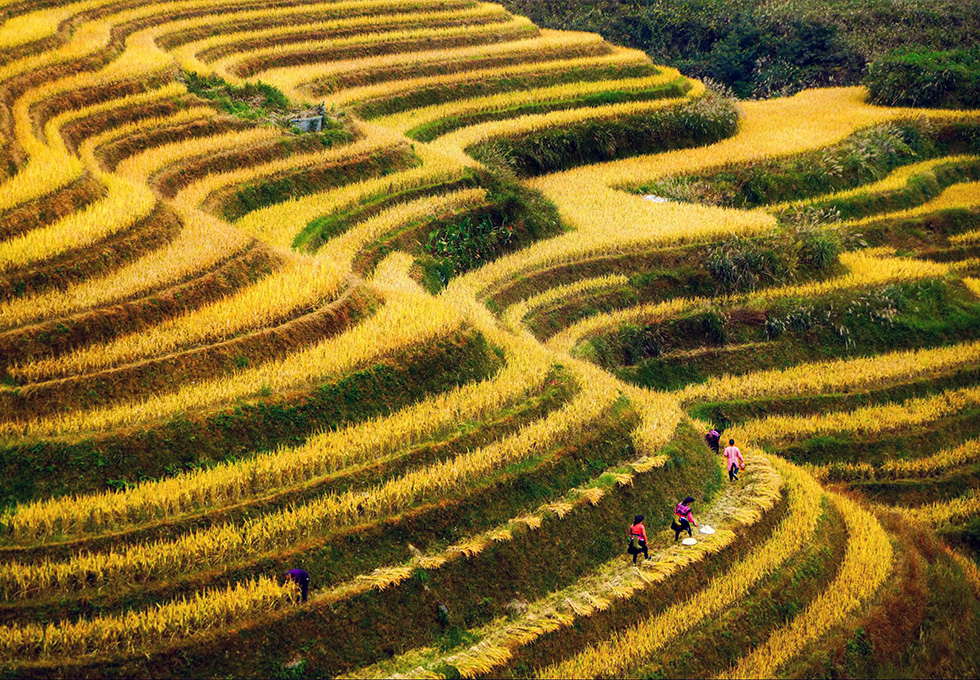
pixel 763 49
pixel 250 101
pixel 925 78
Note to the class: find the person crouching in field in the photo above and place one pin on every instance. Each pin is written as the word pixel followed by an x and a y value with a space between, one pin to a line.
pixel 300 578
pixel 683 518
pixel 638 539
pixel 712 439
pixel 733 460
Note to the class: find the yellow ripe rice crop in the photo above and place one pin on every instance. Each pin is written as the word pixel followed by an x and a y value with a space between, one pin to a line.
pixel 372 26
pixel 896 179
pixel 203 242
pixel 836 375
pixel 516 314
pixel 100 634
pixel 294 80
pixel 946 513
pixel 409 319
pixel 475 134
pixel 947 459
pixel 229 67
pixel 279 224
pixel 51 167
pixel 608 219
pixel 139 630
pixel 618 56
pixel 275 531
pixel 303 284
pixel 956 197
pixel 864 421
pixel 142 166
pixel 198 192
pixel 400 216
pixel 865 269
pixel 124 204
pixel 867 563
pixel 917 468
pixel 628 648
pixel 507 100
pixel 615 580
pixel 260 476
pixel 26 28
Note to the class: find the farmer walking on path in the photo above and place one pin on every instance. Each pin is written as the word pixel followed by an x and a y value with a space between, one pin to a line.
pixel 638 539
pixel 734 461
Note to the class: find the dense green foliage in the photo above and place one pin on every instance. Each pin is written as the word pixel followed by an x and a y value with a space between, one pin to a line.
pixel 514 217
pixel 925 78
pixel 761 48
pixel 250 101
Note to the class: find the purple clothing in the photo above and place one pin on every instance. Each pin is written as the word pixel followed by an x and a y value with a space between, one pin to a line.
pixel 683 511
pixel 302 579
pixel 298 575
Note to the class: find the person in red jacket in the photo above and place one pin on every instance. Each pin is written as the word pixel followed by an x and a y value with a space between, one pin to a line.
pixel 638 539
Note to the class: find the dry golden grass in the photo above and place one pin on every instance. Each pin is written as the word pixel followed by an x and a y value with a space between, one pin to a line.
pixel 627 649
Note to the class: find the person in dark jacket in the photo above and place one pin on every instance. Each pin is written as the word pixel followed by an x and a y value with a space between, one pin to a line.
pixel 301 578
pixel 713 439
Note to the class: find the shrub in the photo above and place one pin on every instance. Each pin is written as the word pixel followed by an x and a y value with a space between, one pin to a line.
pixel 925 78
pixel 249 101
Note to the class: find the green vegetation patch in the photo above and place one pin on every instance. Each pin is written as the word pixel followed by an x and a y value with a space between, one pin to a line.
pixel 866 156
pixel 251 101
pixel 925 78
pixel 695 123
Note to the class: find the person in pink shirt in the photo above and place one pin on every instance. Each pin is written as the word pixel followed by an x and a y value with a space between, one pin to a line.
pixel 638 539
pixel 734 461
pixel 683 518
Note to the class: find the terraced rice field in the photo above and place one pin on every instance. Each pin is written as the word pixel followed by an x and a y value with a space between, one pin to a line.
pixel 440 353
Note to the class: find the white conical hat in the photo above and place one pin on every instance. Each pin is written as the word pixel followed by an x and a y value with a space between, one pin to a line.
pixel 707 530
pixel 689 541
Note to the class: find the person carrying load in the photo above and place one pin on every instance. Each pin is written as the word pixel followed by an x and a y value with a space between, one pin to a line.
pixel 638 539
